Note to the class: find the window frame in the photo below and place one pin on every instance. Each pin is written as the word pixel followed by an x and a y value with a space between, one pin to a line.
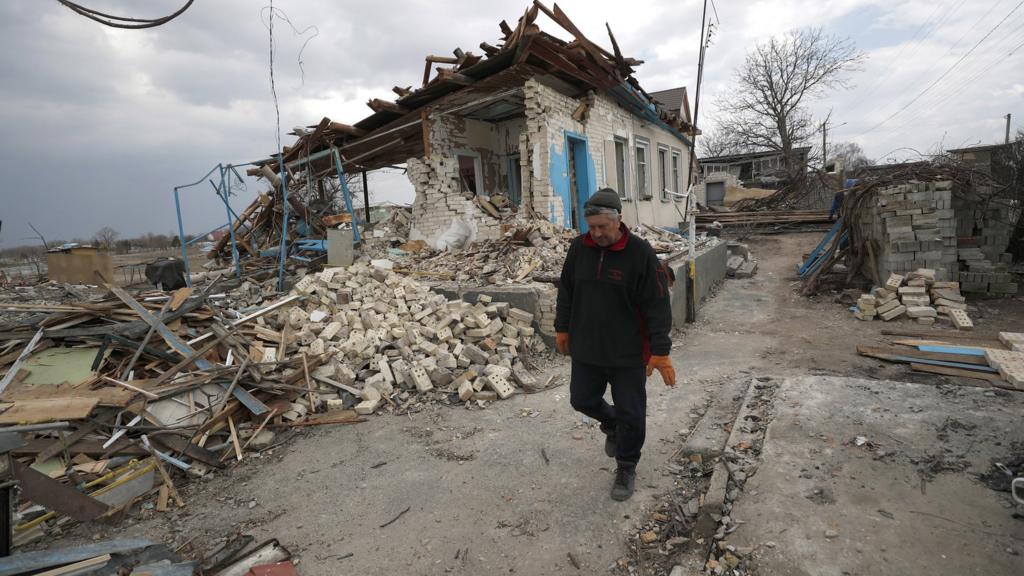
pixel 622 168
pixel 644 178
pixel 663 180
pixel 677 172
pixel 478 170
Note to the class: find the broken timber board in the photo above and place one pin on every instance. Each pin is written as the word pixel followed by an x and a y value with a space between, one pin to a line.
pixel 915 360
pixel 181 445
pixel 59 444
pixel 48 410
pixel 31 562
pixel 172 340
pixel 932 334
pixel 40 489
pixel 959 372
pixel 13 370
pixel 122 447
pixel 960 358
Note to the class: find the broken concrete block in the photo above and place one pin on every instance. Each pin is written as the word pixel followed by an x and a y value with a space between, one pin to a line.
pixel 950 304
pixel 912 290
pixel 925 321
pixel 747 270
pixel 316 347
pixel 893 313
pixel 894 282
pixel 318 316
pixel 330 331
pixel 500 385
pixel 521 315
pixel 861 315
pixel 921 312
pixel 465 391
pixel 960 319
pixel 475 354
pixel 916 300
pixel 1013 340
pixel 485 396
pixel 891 304
pixel 420 378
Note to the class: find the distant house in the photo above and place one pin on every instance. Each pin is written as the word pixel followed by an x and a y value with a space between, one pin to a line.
pixel 764 170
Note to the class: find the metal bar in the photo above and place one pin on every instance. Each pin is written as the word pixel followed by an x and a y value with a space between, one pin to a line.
pixel 346 195
pixel 251 317
pixel 284 223
pixel 225 184
pixel 181 238
pixel 204 235
pixel 171 338
pixel 138 352
pixel 952 350
pixel 366 199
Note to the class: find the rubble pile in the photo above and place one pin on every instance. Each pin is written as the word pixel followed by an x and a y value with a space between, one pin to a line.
pixel 917 296
pixel 388 337
pixel 531 249
pixel 114 393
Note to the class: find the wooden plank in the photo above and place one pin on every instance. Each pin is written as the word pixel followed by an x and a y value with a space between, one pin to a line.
pixel 234 438
pixel 162 497
pixel 128 386
pixel 88 447
pixel 13 370
pixel 172 339
pixel 61 443
pixel 48 410
pixel 934 334
pixel 872 350
pixel 912 359
pixel 40 489
pixel 950 371
pixel 77 567
pixel 179 297
pixel 32 562
pixel 965 350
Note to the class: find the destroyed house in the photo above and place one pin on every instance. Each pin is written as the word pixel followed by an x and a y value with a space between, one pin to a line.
pixel 533 126
pixel 765 169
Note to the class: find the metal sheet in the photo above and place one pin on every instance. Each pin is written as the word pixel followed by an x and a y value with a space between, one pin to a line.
pixel 40 489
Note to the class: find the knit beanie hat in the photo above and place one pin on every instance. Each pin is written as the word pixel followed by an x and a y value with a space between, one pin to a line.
pixel 604 198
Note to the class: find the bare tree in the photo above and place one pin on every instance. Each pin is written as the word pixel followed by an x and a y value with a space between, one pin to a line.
pixel 850 154
pixel 104 237
pixel 717 143
pixel 767 109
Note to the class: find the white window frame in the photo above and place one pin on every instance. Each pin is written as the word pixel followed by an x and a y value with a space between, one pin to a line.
pixel 645 145
pixel 622 170
pixel 663 172
pixel 677 173
pixel 478 169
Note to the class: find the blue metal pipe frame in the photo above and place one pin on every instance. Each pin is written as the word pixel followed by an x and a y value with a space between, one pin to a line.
pixel 346 195
pixel 284 222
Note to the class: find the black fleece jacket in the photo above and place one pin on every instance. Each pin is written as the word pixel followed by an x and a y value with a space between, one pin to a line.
pixel 614 302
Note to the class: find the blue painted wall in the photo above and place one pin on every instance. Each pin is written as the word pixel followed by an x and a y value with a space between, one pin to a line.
pixel 558 174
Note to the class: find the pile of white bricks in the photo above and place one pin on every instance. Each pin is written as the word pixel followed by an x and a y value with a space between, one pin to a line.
pixel 388 335
pixel 915 227
pixel 917 296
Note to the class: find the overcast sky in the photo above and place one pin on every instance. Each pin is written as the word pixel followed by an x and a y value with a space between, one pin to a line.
pixel 99 125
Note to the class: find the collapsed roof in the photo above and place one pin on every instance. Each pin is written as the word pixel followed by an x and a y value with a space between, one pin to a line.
pixel 487 87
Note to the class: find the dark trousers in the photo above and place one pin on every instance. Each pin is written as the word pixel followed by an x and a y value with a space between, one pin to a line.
pixel 627 418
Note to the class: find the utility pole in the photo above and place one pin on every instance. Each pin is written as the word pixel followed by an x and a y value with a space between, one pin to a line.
pixel 824 150
pixel 1007 128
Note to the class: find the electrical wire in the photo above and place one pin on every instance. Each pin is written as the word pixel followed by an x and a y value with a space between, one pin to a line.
pixel 124 22
pixel 944 74
pixel 281 15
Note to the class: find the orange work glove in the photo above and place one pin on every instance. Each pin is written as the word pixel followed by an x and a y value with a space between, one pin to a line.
pixel 664 366
pixel 562 342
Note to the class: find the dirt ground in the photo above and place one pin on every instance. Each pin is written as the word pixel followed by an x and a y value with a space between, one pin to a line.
pixel 518 487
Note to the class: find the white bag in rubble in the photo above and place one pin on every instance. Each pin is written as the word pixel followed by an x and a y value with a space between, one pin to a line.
pixel 456 236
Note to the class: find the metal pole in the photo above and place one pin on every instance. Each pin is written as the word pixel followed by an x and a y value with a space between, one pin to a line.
pixel 225 186
pixel 366 188
pixel 1007 128
pixel 824 154
pixel 284 223
pixel 181 237
pixel 691 269
pixel 346 195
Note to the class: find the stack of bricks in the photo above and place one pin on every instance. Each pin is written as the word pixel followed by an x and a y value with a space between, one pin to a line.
pixel 918 296
pixel 546 303
pixel 980 274
pixel 915 227
pixel 391 334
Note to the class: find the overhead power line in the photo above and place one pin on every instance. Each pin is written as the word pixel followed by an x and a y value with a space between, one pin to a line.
pixel 125 22
pixel 944 74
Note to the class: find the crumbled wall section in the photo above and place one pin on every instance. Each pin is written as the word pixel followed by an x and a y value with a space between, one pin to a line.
pixel 547 299
pixel 439 198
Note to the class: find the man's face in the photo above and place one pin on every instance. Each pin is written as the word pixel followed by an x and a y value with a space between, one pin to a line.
pixel 604 229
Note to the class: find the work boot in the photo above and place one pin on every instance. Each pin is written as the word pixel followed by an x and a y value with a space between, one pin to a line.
pixel 610 440
pixel 625 480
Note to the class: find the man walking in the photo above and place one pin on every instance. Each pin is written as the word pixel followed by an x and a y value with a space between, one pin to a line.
pixel 614 319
